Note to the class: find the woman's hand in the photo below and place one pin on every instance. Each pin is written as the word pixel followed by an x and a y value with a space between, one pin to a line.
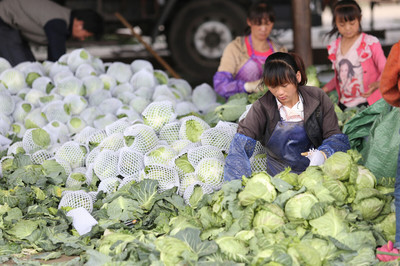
pixel 371 88
pixel 253 86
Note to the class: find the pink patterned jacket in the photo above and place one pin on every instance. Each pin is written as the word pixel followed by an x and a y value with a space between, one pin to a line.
pixel 372 59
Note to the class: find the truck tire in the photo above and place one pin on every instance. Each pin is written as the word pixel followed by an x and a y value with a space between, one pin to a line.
pixel 200 32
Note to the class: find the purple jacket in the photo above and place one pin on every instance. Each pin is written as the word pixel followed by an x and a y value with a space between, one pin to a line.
pixel 372 59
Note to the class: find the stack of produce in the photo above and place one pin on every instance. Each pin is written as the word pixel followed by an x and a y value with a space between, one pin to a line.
pixel 143 154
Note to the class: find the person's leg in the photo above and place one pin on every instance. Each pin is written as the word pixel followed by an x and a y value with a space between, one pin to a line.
pixel 13 47
pixel 397 203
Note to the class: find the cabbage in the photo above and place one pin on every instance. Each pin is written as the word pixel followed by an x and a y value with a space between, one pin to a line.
pixel 299 207
pixel 121 72
pixel 109 81
pixel 85 70
pixel 70 85
pixel 338 166
pixel 141 64
pixel 259 186
pixel 13 80
pixel 271 217
pixel 78 57
pixel 210 171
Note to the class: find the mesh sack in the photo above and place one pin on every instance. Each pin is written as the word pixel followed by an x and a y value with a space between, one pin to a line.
pixel 35 139
pixel 16 147
pixel 117 126
pixel 192 127
pixel 40 156
pixel 129 180
pixel 220 137
pixel 76 199
pixel 83 136
pixel 113 142
pixel 170 132
pixel 183 145
pixel 195 155
pixel 109 185
pixel 72 152
pixel 157 114
pixel 161 154
pixel 258 163
pixel 141 138
pixel 77 177
pixel 166 176
pixel 242 116
pixel 106 164
pixel 64 164
pixel 96 138
pixel 210 171
pixel 186 181
pixel 7 103
pixel 189 190
pixel 91 156
pixel 130 162
pixel 55 111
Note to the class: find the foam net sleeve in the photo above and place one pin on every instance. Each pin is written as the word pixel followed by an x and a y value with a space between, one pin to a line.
pixel 130 162
pixel 76 199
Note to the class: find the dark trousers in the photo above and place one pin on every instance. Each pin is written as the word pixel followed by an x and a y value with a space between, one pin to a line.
pixel 12 46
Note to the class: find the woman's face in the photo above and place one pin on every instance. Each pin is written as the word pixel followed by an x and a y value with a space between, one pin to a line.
pixel 260 31
pixel 348 29
pixel 344 72
pixel 287 94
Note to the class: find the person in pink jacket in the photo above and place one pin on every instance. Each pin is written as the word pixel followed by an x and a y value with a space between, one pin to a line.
pixel 357 58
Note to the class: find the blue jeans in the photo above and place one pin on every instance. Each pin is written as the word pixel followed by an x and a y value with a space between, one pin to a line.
pixel 397 203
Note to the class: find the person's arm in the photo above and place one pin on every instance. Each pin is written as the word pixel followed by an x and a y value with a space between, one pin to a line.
pixel 330 86
pixel 390 82
pixel 56 32
pixel 225 85
pixel 379 60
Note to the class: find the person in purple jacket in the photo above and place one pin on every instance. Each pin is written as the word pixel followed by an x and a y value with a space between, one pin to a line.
pixel 43 22
pixel 241 64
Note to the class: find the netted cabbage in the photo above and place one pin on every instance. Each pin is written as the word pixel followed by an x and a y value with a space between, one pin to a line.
pixel 76 124
pixel 141 64
pixel 56 110
pixel 203 97
pixel 161 154
pixel 58 77
pixel 78 57
pixel 127 111
pixel 210 171
pixel 299 207
pixel 109 81
pixel 141 138
pixel 182 86
pixel 13 80
pixel 97 98
pixel 142 78
pixel 139 103
pixel 7 103
pixel 22 109
pixel 130 162
pixel 49 98
pixel 70 85
pixel 90 114
pixel 75 104
pixel 185 108
pixel 121 88
pixel 18 129
pixel 72 152
pixel 104 120
pixel 44 84
pixel 157 114
pixel 120 71
pixel 166 176
pixel 58 131
pixel 36 139
pixel 220 137
pixel 195 155
pixel 192 127
pixel 33 96
pixel 4 64
pixel 113 142
pixel 110 106
pixel 35 119
pixel 170 132
pixel 57 67
pixel 92 84
pixel 85 70
pixel 106 164
pixel 161 76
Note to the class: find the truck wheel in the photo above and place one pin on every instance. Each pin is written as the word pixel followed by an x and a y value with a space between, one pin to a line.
pixel 199 34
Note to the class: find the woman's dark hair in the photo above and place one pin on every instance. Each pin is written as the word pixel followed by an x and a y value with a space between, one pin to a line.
pixel 281 68
pixel 346 10
pixel 92 21
pixel 260 11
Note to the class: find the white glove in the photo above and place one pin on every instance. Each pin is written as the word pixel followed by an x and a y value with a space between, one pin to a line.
pixel 316 157
pixel 253 86
pixel 82 220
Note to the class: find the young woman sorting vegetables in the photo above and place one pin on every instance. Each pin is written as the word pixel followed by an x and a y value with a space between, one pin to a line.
pixel 290 119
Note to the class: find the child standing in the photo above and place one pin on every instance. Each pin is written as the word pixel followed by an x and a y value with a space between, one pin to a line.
pixel 357 58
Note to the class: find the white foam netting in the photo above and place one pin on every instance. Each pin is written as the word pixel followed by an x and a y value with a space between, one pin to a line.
pixel 93 195
pixel 170 132
pixel 183 145
pixel 258 161
pixel 186 181
pixel 157 114
pixel 96 137
pixel 72 152
pixel 83 136
pixel 130 162
pixel 76 199
pixel 77 177
pixel 8 104
pixel 15 148
pixel 210 171
pixel 195 155
pixel 189 190
pixel 113 142
pixel 141 137
pixel 55 111
pixel 220 137
pixel 161 154
pixel 117 126
pixel 106 164
pixel 166 176
pixel 92 156
pixel 192 127
pixel 40 156
pixel 109 185
pixel 28 142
